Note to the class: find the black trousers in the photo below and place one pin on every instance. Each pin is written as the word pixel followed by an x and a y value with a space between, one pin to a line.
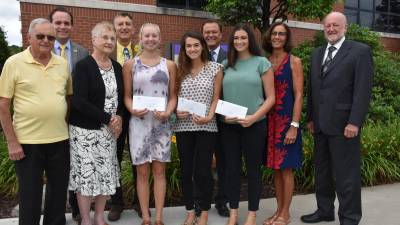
pixel 196 149
pixel 251 142
pixel 221 196
pixel 338 164
pixel 54 160
pixel 117 198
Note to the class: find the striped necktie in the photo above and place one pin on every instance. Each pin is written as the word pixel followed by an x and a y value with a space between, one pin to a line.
pixel 126 53
pixel 328 60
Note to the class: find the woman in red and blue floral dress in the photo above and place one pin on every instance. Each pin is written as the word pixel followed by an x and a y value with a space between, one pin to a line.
pixel 284 148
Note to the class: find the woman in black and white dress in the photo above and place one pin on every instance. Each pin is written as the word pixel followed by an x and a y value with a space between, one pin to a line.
pixel 95 124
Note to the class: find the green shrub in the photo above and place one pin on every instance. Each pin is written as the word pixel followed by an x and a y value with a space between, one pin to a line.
pixel 8 177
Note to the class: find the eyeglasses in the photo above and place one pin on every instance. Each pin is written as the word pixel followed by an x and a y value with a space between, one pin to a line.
pixel 280 34
pixel 42 36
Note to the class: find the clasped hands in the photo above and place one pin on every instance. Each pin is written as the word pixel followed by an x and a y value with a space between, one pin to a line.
pixel 246 122
pixel 199 120
pixel 160 115
pixel 115 125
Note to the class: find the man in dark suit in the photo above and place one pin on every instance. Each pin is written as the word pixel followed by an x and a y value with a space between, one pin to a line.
pixel 212 33
pixel 124 50
pixel 338 98
pixel 63 22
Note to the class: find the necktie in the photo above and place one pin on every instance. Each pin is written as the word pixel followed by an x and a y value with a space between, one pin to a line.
pixel 328 60
pixel 212 53
pixel 63 52
pixel 126 54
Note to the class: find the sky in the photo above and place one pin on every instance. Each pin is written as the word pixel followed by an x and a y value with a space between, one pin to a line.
pixel 10 21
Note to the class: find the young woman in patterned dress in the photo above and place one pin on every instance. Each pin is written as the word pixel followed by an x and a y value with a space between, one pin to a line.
pixel 284 137
pixel 199 80
pixel 149 74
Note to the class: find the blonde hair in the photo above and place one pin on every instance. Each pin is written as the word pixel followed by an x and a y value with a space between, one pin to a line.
pixel 101 27
pixel 149 25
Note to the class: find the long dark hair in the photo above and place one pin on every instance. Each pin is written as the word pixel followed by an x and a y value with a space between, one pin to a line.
pixel 184 62
pixel 266 43
pixel 254 48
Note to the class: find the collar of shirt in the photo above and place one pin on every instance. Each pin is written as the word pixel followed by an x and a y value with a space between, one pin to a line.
pixel 28 58
pixel 337 45
pixel 216 50
pixel 120 52
pixel 57 47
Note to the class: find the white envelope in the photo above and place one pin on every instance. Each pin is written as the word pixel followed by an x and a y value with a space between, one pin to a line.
pixel 192 107
pixel 231 110
pixel 150 103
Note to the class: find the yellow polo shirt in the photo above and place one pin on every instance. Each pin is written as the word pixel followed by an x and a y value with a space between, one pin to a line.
pixel 38 94
pixel 120 52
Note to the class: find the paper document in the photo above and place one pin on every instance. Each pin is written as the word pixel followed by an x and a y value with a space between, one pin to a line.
pixel 150 103
pixel 192 107
pixel 231 110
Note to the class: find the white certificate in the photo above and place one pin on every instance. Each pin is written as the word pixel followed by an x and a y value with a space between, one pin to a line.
pixel 231 110
pixel 150 103
pixel 192 107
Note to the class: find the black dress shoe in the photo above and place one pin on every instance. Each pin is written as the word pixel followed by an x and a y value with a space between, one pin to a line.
pixel 315 218
pixel 197 209
pixel 222 209
pixel 115 212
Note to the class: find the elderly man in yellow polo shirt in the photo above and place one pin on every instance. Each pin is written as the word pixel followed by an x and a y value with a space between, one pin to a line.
pixel 37 81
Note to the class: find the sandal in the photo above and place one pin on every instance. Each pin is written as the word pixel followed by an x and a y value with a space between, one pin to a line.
pixel 146 222
pixel 158 222
pixel 270 220
pixel 281 221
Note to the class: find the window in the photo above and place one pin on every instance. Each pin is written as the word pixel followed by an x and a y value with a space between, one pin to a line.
pixel 379 15
pixel 183 4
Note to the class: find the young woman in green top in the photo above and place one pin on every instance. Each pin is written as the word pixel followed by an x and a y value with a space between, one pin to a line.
pixel 249 82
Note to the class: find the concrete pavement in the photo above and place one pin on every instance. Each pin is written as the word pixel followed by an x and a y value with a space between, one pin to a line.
pixel 381 206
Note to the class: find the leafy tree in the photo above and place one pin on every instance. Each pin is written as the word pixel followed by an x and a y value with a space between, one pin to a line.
pixel 4 51
pixel 258 12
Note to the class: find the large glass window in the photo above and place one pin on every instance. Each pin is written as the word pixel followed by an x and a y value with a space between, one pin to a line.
pixel 379 15
pixel 183 4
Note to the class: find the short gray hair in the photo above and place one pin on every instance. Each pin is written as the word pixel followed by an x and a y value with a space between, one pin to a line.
pixel 35 22
pixel 102 26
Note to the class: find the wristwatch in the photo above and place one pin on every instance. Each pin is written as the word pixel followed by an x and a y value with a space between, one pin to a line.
pixel 295 124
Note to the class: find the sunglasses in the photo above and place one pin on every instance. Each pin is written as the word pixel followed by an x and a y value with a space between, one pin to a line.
pixel 42 36
pixel 280 34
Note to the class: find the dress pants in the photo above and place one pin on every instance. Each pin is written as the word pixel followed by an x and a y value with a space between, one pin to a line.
pixel 54 160
pixel 117 198
pixel 196 149
pixel 251 142
pixel 338 164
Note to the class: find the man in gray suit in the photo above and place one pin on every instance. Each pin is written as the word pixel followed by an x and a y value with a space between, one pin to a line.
pixel 339 93
pixel 63 21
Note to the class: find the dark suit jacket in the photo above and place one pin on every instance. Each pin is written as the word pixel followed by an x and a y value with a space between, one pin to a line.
pixel 221 55
pixel 342 96
pixel 87 102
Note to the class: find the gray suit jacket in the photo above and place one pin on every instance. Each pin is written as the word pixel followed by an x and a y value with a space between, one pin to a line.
pixel 78 52
pixel 342 96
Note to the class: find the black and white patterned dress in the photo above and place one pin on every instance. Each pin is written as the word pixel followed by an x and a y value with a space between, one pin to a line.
pixel 199 88
pixel 94 165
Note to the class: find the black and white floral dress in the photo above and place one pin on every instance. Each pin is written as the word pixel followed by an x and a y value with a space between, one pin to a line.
pixel 94 165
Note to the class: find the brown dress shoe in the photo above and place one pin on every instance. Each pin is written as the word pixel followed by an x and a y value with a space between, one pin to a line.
pixel 115 212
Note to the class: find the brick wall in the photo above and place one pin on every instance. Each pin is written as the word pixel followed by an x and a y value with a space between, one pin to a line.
pixel 172 27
